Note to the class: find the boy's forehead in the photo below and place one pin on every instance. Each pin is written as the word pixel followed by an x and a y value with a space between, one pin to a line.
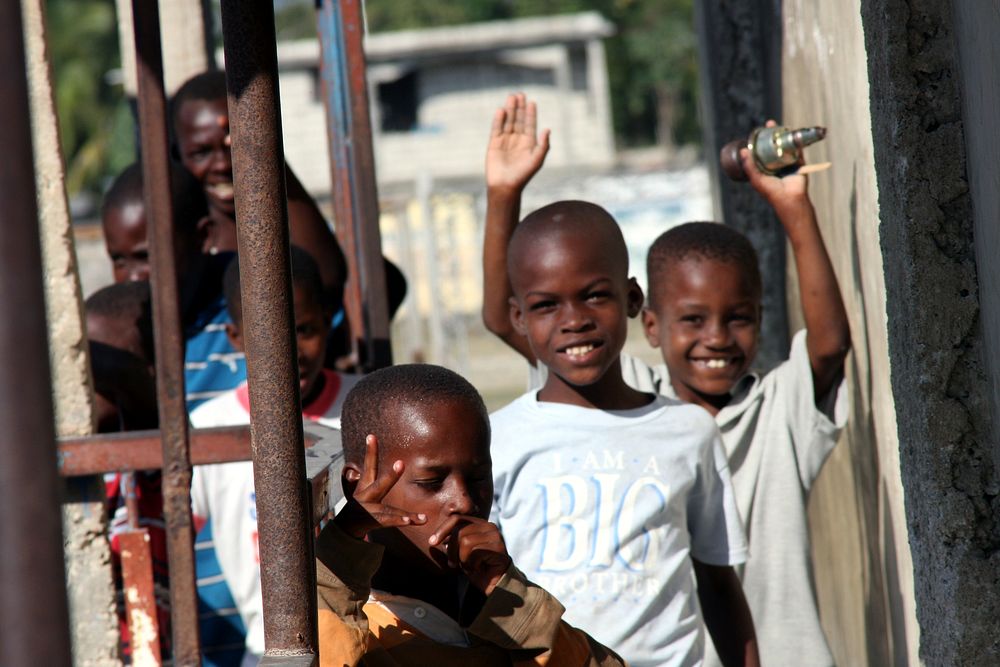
pixel 436 428
pixel 695 271
pixel 566 254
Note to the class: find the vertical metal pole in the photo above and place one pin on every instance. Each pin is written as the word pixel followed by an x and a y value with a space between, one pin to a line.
pixel 34 621
pixel 169 339
pixel 355 195
pixel 287 566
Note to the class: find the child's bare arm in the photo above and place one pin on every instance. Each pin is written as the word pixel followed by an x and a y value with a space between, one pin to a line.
pixel 727 615
pixel 515 153
pixel 829 336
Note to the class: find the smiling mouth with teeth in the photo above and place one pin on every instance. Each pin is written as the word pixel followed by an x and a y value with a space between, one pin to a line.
pixel 221 190
pixel 717 363
pixel 579 350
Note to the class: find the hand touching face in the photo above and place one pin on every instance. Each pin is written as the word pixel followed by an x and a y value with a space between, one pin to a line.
pixel 437 493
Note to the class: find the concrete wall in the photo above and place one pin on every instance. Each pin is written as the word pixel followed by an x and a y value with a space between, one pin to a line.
pixel 863 567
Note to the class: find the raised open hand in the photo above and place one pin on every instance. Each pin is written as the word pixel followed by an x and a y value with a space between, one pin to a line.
pixel 475 546
pixel 516 151
pixel 365 511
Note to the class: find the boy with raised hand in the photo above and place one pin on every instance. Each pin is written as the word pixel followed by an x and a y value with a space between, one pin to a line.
pixel 778 429
pixel 223 495
pixel 615 500
pixel 704 314
pixel 411 572
pixel 514 155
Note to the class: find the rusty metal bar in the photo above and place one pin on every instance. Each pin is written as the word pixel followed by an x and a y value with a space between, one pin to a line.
pixel 276 434
pixel 168 338
pixel 136 450
pixel 355 194
pixel 34 621
pixel 139 450
pixel 140 599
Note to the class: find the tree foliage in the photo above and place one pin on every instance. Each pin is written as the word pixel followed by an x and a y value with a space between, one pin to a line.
pixel 95 123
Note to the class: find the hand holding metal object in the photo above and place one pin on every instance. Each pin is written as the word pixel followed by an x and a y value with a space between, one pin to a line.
pixel 774 149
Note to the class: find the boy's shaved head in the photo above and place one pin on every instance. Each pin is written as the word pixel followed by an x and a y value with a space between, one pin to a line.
pixel 207 86
pixel 580 219
pixel 700 240
pixel 305 275
pixel 379 404
pixel 187 195
pixel 125 189
pixel 128 308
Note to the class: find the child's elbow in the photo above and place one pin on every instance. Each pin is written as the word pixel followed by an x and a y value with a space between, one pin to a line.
pixel 496 324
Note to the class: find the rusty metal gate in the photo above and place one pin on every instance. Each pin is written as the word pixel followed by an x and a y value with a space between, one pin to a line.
pixel 292 496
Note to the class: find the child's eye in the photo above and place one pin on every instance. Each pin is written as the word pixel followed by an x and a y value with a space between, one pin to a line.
pixel 429 484
pixel 692 319
pixel 542 305
pixel 597 296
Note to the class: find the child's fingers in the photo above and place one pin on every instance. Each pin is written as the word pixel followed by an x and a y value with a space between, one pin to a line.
pixel 496 129
pixel 477 539
pixel 371 462
pixel 519 114
pixel 531 119
pixel 510 108
pixel 445 529
pixel 543 143
pixel 381 486
pixel 393 517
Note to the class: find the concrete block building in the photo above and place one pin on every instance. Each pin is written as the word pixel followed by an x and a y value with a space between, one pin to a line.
pixel 433 93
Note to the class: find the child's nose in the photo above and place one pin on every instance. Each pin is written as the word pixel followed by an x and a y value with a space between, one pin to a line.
pixel 462 502
pixel 575 319
pixel 222 159
pixel 717 335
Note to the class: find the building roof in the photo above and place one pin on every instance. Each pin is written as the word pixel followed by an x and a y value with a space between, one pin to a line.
pixel 461 39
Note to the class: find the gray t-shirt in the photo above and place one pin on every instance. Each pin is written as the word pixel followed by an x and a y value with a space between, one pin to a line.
pixel 604 508
pixel 776 440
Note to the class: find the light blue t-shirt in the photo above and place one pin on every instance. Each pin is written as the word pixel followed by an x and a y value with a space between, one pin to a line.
pixel 604 510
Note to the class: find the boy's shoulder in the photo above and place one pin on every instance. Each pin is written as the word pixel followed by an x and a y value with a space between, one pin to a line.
pixel 526 413
pixel 230 408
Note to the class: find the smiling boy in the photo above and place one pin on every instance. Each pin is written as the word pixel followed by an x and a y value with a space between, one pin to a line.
pixel 778 429
pixel 223 495
pixel 411 572
pixel 615 500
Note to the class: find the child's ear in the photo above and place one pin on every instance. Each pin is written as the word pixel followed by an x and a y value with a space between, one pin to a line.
pixel 517 317
pixel 349 479
pixel 634 297
pixel 235 336
pixel 651 327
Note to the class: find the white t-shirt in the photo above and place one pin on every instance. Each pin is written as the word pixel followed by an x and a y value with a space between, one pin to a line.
pixel 776 440
pixel 224 493
pixel 603 510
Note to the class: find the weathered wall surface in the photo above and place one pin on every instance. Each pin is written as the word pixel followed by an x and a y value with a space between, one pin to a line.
pixel 863 567
pixel 935 324
pixel 94 624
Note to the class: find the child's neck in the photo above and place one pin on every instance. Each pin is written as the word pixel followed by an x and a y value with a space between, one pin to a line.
pixel 450 592
pixel 711 402
pixel 608 393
